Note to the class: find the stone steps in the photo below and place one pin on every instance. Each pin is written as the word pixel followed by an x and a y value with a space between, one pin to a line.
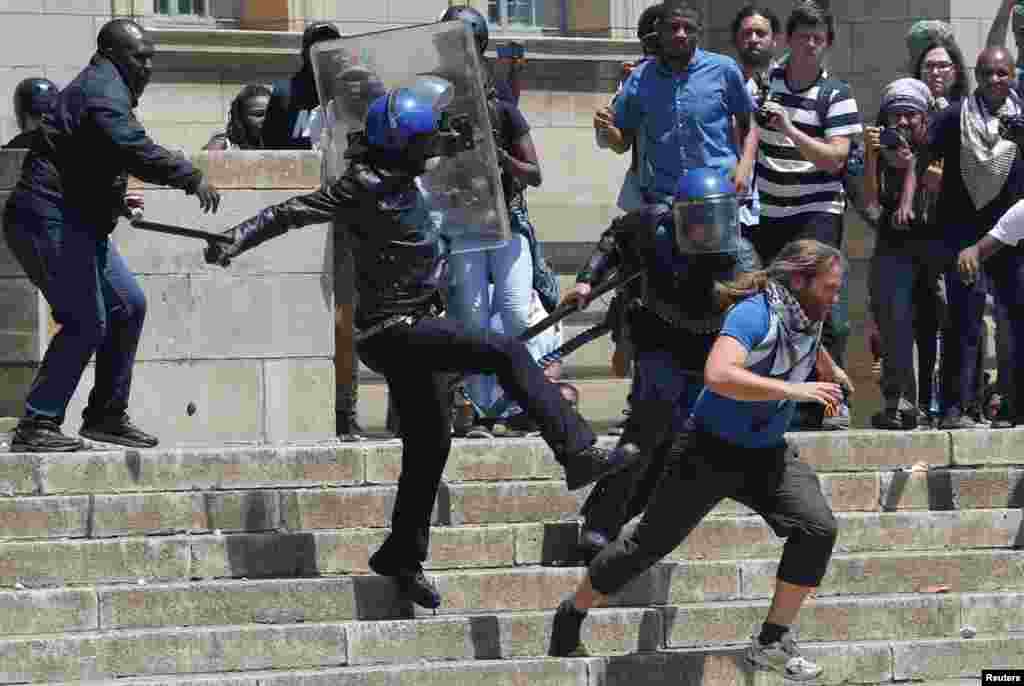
pixel 106 515
pixel 85 561
pixel 334 464
pixel 686 668
pixel 246 565
pixel 464 650
pixel 700 588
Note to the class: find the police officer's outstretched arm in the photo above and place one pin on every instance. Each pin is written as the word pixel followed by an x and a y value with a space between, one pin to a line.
pixel 312 208
pixel 615 248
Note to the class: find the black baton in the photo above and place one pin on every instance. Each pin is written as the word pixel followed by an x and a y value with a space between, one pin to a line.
pixel 181 231
pixel 575 343
pixel 563 311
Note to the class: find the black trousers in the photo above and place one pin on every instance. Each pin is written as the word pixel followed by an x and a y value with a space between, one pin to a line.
pixel 772 481
pixel 417 362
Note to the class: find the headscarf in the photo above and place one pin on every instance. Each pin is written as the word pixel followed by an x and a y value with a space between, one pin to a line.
pixel 907 94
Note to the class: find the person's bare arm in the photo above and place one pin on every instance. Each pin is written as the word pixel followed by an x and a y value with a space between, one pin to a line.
pixel 828 155
pixel 618 140
pixel 522 163
pixel 748 155
pixel 725 374
pixel 1000 25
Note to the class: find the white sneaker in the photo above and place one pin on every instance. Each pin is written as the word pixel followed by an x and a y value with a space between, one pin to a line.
pixel 783 657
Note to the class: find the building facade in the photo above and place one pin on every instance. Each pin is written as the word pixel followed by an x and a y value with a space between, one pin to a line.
pixel 209 49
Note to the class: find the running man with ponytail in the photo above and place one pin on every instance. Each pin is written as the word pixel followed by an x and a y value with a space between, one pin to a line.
pixel 758 368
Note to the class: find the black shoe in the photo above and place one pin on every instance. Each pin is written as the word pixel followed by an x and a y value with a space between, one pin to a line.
pixel 347 427
pixel 590 464
pixel 892 420
pixel 412 583
pixel 591 543
pixel 42 435
pixel 1005 417
pixel 118 429
pixel 955 419
pixel 565 632
pixel 523 424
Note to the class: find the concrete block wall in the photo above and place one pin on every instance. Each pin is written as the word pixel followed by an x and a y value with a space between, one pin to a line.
pixel 50 38
pixel 251 348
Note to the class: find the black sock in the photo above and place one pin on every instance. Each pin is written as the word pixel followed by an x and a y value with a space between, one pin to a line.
pixel 770 633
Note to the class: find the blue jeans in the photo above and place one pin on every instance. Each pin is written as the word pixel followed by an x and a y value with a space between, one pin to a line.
pixel 94 298
pixel 473 302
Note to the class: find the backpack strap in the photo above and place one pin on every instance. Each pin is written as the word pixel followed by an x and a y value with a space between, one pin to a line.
pixel 826 92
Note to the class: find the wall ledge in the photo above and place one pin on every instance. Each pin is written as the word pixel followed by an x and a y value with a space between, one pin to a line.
pixel 208 41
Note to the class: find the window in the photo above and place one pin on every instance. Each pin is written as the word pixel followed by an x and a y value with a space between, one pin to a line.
pixel 529 15
pixel 178 8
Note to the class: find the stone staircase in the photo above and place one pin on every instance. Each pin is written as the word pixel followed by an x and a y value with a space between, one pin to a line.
pixel 246 566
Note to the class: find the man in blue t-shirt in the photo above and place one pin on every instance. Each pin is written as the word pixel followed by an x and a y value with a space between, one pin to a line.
pixel 681 107
pixel 757 369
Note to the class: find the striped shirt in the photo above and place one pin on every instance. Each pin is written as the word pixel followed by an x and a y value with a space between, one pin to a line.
pixel 789 184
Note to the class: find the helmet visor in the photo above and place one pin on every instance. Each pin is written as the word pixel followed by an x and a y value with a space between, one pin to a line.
pixel 416 109
pixel 707 225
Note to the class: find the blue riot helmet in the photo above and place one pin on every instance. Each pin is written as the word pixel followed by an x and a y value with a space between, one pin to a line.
pixel 706 212
pixel 412 121
pixel 477 23
pixel 33 97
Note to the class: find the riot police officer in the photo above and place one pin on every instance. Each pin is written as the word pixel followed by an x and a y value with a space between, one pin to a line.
pixel 401 250
pixel 683 251
pixel 33 98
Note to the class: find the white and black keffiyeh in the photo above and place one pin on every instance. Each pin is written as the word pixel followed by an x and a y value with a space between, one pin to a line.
pixel 985 157
pixel 792 340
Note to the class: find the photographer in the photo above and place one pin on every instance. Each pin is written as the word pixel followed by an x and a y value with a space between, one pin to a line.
pixel 983 176
pixel 908 250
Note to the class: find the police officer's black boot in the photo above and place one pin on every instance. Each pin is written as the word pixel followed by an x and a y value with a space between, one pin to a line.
pixel 594 462
pixel 412 583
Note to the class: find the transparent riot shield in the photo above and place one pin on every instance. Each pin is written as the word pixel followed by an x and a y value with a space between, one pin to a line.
pixel 465 191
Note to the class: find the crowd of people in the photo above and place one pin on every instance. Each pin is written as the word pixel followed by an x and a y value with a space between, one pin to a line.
pixel 731 320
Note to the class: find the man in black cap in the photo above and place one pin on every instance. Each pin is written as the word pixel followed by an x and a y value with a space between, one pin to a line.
pixel 57 223
pixel 33 98
pixel 293 99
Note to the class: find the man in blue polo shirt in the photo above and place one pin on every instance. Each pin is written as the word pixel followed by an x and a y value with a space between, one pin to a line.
pixel 756 371
pixel 680 109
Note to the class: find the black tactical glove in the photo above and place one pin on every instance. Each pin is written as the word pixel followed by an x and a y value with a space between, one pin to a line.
pixel 222 253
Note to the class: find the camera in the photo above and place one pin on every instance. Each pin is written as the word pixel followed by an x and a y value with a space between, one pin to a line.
pixel 761 115
pixel 891 138
pixel 1011 127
